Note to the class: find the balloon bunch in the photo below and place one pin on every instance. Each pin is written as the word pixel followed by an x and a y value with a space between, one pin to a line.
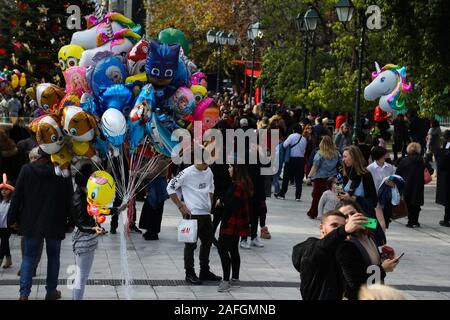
pixel 13 79
pixel 101 191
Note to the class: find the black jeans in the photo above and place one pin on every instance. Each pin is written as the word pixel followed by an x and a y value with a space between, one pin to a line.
pixel 295 168
pixel 115 218
pixel 413 214
pixel 205 233
pixel 229 256
pixel 258 211
pixel 399 146
pixel 387 213
pixel 4 243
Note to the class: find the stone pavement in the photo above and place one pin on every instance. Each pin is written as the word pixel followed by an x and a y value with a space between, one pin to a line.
pixel 267 273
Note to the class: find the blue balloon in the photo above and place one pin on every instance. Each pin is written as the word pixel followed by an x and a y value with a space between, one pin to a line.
pixel 88 104
pixel 160 137
pixel 136 133
pixel 106 71
pixel 117 96
pixel 101 145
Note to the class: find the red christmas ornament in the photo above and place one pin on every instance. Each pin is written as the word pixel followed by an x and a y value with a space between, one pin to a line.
pixel 2 51
pixel 13 22
pixel 21 6
pixel 17 44
pixel 55 28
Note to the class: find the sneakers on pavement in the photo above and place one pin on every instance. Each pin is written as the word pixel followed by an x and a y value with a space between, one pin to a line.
pixel 257 243
pixel 265 234
pixel 245 244
pixel 55 295
pixel 224 286
pixel 278 196
pixel 235 283
pixel 135 229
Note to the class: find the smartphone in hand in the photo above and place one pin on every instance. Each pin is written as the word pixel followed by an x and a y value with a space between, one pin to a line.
pixel 371 223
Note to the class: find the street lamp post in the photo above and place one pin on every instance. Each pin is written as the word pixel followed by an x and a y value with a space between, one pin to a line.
pixel 306 24
pixel 344 10
pixel 220 38
pixel 253 32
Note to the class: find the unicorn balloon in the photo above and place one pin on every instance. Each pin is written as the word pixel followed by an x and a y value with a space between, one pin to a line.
pixel 390 85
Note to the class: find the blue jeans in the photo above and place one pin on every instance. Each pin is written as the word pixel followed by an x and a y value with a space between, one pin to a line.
pixel 31 250
pixel 276 179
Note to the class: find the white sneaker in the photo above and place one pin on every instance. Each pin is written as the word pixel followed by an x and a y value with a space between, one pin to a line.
pixel 224 286
pixel 235 283
pixel 257 243
pixel 245 244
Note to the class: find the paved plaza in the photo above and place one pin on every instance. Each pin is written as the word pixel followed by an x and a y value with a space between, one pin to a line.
pixel 267 273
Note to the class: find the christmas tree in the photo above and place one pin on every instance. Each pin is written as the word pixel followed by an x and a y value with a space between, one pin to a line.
pixel 32 32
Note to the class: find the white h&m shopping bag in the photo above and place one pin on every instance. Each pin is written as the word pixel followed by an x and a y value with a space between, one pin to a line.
pixel 187 231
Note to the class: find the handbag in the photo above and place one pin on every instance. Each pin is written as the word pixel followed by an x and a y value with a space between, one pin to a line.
pixel 287 150
pixel 400 210
pixel 187 231
pixel 427 176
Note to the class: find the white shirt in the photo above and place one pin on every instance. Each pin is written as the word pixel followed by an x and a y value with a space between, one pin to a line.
pixel 447 146
pixel 379 173
pixel 196 186
pixel 4 206
pixel 299 149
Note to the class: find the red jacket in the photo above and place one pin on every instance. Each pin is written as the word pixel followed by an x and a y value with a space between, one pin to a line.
pixel 236 217
pixel 379 115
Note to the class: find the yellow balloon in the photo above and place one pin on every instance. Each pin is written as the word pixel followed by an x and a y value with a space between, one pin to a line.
pixel 23 80
pixel 199 89
pixel 69 56
pixel 138 77
pixel 101 189
pixel 14 81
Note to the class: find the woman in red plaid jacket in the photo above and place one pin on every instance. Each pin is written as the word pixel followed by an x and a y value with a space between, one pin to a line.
pixel 235 224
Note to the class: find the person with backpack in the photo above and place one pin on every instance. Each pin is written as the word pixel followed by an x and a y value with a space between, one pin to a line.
pixel 295 163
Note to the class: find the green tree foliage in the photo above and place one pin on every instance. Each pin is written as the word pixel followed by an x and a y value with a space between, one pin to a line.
pixel 414 34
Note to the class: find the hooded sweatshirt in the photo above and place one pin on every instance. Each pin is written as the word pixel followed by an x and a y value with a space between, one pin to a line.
pixel 320 275
pixel 41 203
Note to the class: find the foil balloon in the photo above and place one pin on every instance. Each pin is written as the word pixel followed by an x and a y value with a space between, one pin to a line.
pixel 200 79
pixel 160 137
pixel 14 81
pixel 174 36
pixel 208 113
pixel 137 58
pixel 106 71
pixel 101 191
pixel 199 92
pixel 114 127
pixel 143 105
pixel 182 101
pixel 23 80
pixel 162 63
pixel 88 104
pixel 390 85
pixel 69 56
pixel 117 96
pixel 76 81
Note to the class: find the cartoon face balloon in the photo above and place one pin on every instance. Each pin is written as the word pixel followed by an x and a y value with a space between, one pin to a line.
pixel 199 92
pixel 101 189
pixel 106 71
pixel 76 81
pixel 162 63
pixel 137 58
pixel 182 101
pixel 208 113
pixel 69 56
pixel 199 78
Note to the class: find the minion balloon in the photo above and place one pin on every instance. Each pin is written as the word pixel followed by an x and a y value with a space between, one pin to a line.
pixel 69 56
pixel 101 191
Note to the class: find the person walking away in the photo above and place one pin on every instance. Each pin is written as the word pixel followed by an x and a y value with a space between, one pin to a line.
pixel 443 180
pixel 235 224
pixel 196 183
pixel 355 255
pixel 84 239
pixel 295 166
pixel 320 275
pixel 329 199
pixel 13 105
pixel 411 169
pixel 343 138
pixel 433 140
pixel 40 208
pixel 380 169
pixel 5 232
pixel 401 138
pixel 324 167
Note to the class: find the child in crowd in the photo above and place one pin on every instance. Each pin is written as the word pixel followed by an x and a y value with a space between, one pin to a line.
pixel 329 199
pixel 6 193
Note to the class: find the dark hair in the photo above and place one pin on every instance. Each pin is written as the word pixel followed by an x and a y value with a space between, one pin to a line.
pixel 361 136
pixel 378 152
pixel 447 134
pixel 332 213
pixel 330 182
pixel 435 124
pixel 82 177
pixel 354 204
pixel 240 175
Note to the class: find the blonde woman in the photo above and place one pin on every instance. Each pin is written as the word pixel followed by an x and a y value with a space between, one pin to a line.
pixel 324 167
pixel 380 292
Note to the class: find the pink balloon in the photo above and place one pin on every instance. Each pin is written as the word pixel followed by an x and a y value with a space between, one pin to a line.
pixel 76 81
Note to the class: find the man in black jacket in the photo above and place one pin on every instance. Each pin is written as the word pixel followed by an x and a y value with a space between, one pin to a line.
pixel 320 276
pixel 40 207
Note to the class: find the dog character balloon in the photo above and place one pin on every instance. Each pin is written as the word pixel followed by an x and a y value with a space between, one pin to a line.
pixel 47 95
pixel 81 127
